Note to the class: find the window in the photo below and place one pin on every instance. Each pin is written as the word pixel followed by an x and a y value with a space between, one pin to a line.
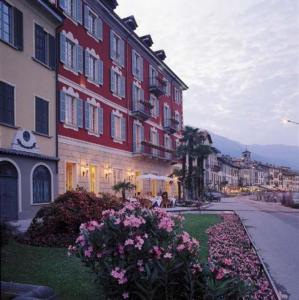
pixel 167 145
pixel 138 98
pixel 154 138
pixel 11 25
pixel 155 103
pixel 178 121
pixel 73 8
pixel 70 176
pixel 7 106
pixel 138 137
pixel 117 48
pixel 137 65
pixel 167 87
pixel 117 84
pixel 92 178
pixel 93 68
pixel 92 23
pixel 177 95
pixel 117 175
pixel 166 115
pixel 153 76
pixel 71 110
pixel 93 118
pixel 71 54
pixel 45 47
pixel 41 116
pixel 118 127
pixel 41 185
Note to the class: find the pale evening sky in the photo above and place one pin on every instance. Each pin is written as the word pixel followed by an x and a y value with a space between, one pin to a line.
pixel 240 59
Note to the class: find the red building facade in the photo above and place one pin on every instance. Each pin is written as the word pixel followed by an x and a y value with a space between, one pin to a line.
pixel 120 106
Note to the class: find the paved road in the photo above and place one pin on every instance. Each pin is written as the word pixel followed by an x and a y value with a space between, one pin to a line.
pixel 275 232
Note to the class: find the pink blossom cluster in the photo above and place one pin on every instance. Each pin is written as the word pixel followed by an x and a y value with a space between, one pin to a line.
pixel 166 223
pixel 230 252
pixel 187 243
pixel 120 275
pixel 132 221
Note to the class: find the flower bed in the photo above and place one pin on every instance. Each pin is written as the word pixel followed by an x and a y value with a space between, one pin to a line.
pixel 231 253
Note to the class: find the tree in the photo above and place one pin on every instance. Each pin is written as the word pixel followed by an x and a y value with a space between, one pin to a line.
pixel 122 187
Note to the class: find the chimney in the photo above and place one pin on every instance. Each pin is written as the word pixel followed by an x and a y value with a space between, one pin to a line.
pixel 160 54
pixel 147 40
pixel 130 22
pixel 111 4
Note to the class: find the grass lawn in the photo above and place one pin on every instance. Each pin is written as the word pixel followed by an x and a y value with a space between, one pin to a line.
pixel 69 278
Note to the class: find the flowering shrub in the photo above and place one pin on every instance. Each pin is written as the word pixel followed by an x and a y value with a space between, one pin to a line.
pixel 231 255
pixel 57 224
pixel 141 254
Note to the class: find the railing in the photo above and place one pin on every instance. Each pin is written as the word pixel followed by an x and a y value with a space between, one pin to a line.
pixel 147 149
pixel 157 86
pixel 141 110
pixel 171 125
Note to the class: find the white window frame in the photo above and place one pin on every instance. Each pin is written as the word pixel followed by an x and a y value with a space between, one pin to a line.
pixel 93 119
pixel 70 53
pixel 117 43
pixel 138 140
pixel 70 103
pixel 177 95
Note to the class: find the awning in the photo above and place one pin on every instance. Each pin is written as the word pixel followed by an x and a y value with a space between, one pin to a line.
pixel 154 177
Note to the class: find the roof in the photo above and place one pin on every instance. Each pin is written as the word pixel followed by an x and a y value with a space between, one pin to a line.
pixel 145 48
pixel 27 154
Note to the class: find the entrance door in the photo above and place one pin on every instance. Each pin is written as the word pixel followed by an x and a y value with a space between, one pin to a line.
pixel 8 191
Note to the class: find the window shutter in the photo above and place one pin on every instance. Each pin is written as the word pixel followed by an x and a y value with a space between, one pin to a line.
pixel 79 11
pixel 18 28
pixel 157 107
pixel 62 106
pixel 86 13
pixel 100 70
pixel 80 113
pixel 123 129
pixel 52 52
pixel 122 52
pixel 142 137
pixel 99 29
pixel 141 69
pixel 100 120
pixel 165 115
pixel 112 81
pixel 134 97
pixel 112 44
pixel 133 62
pixel 122 87
pixel 79 59
pixel 134 137
pixel 86 63
pixel 112 125
pixel 62 4
pixel 86 107
pixel 141 95
pixel 62 48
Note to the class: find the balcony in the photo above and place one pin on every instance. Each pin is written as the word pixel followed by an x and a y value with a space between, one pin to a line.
pixel 141 110
pixel 148 150
pixel 171 125
pixel 216 168
pixel 157 86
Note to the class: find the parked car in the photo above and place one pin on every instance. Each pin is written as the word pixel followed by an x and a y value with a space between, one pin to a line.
pixel 213 196
pixel 296 197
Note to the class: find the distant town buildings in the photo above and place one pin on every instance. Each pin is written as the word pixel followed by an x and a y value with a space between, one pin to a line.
pixel 225 173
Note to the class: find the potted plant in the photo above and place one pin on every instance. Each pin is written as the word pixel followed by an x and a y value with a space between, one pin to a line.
pixel 122 187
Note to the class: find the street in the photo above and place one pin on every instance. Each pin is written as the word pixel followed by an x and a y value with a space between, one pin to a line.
pixel 275 232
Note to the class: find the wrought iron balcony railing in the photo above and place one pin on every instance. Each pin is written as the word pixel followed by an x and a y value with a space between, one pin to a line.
pixel 157 86
pixel 171 125
pixel 141 110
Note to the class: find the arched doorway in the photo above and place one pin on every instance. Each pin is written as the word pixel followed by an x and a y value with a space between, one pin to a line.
pixel 8 191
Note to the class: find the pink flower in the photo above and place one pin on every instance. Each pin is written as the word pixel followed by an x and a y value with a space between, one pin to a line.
pixel 129 242
pixel 81 240
pixel 221 273
pixel 125 295
pixel 180 247
pixel 119 274
pixel 157 251
pixel 88 251
pixel 132 221
pixel 196 268
pixel 167 255
pixel 139 242
pixel 166 223
pixel 227 261
pixel 108 213
pixel 92 225
pixel 121 249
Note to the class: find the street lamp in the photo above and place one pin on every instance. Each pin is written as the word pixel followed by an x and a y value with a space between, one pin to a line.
pixel 285 121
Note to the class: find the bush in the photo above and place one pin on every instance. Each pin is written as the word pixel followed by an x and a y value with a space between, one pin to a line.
pixel 5 233
pixel 143 254
pixel 57 224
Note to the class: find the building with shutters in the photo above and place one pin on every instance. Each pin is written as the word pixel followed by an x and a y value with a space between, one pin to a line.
pixel 28 158
pixel 120 105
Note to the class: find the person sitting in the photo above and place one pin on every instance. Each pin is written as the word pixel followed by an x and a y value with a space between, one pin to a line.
pixel 165 201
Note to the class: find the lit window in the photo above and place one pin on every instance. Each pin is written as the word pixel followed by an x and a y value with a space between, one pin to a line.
pixel 70 176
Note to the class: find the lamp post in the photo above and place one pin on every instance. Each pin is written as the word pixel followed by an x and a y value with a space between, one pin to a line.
pixel 285 121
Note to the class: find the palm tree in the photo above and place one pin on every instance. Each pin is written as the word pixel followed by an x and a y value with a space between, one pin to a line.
pixel 122 187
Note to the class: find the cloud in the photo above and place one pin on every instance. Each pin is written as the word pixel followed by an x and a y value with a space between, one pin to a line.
pixel 240 61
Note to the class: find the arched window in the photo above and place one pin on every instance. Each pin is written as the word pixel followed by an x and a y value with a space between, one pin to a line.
pixel 41 185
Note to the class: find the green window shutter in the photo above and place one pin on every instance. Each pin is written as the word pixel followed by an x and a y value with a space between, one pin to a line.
pixel 99 29
pixel 86 107
pixel 133 62
pixel 80 113
pixel 112 46
pixel 52 52
pixel 79 59
pixel 86 55
pixel 122 87
pixel 112 81
pixel 100 120
pixel 122 52
pixel 62 106
pixel 112 126
pixel 123 129
pixel 79 11
pixel 86 13
pixel 62 48
pixel 18 28
pixel 100 71
pixel 134 137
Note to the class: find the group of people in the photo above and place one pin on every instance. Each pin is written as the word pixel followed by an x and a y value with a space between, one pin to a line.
pixel 161 200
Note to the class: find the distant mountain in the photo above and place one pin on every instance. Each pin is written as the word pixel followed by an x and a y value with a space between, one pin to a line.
pixel 281 155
